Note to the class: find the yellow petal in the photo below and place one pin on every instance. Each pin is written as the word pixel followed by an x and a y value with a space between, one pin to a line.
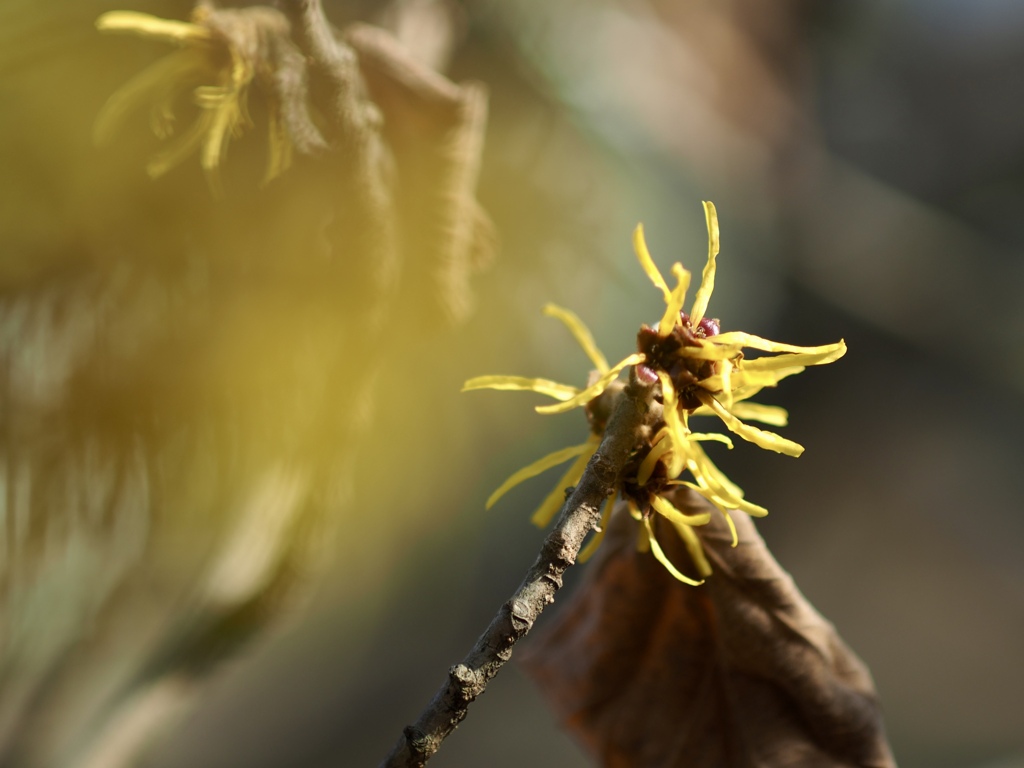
pixel 718 505
pixel 633 511
pixel 694 547
pixel 214 148
pixel 716 478
pixel 643 542
pixel 703 488
pixel 230 116
pixel 674 302
pixel 640 246
pixel 762 438
pixel 677 430
pixel 710 349
pixel 179 148
pixel 754 510
pixel 707 281
pixel 766 414
pixel 662 445
pixel 796 360
pixel 710 437
pixel 732 528
pixel 659 555
pixel 825 353
pixel 520 383
pixel 598 537
pixel 718 489
pixel 594 389
pixel 743 379
pixel 556 498
pixel 581 333
pixel 279 158
pixel 144 25
pixel 738 396
pixel 726 395
pixel 534 469
pixel 667 509
pixel 159 82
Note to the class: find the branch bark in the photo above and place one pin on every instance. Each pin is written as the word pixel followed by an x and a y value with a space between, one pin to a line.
pixel 632 414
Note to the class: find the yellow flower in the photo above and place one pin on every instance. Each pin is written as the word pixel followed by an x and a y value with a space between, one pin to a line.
pixel 700 372
pixel 218 69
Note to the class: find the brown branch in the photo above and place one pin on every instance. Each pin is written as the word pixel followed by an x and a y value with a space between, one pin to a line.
pixel 633 412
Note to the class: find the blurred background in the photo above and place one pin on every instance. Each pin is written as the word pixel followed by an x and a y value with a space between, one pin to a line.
pixel 867 162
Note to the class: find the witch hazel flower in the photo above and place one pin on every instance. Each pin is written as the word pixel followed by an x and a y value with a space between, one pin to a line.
pixel 697 370
pixel 219 55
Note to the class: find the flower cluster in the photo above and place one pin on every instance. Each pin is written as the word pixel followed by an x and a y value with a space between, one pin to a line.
pixel 697 370
pixel 218 67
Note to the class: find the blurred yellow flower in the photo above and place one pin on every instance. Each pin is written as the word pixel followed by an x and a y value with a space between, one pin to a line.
pixel 699 372
pixel 217 68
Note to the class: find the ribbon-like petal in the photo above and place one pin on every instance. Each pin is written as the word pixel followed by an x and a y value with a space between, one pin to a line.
pixel 534 469
pixel 594 389
pixel 647 263
pixel 762 438
pixel 660 556
pixel 707 282
pixel 521 383
pixel 145 25
pixel 556 498
pixel 580 332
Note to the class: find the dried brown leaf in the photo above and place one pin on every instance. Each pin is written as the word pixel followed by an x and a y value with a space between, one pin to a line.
pixel 742 671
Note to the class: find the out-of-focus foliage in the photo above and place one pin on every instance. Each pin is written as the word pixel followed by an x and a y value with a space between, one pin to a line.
pixel 189 372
